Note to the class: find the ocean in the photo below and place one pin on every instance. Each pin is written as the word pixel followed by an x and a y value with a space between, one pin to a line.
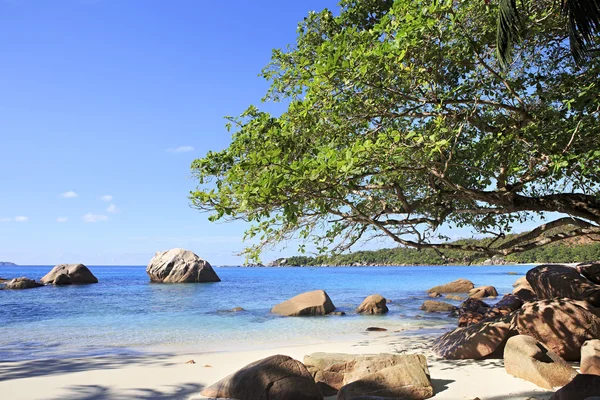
pixel 125 313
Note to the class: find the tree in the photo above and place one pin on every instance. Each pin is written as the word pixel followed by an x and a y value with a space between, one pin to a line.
pixel 400 120
pixel 583 24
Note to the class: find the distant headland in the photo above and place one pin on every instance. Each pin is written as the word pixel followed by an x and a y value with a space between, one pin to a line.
pixel 7 264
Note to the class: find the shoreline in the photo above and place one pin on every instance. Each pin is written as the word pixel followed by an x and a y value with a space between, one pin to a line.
pixel 165 375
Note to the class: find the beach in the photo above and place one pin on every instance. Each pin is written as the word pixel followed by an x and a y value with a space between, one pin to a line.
pixel 169 376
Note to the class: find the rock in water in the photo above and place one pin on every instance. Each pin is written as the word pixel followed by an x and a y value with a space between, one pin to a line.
pixel 559 281
pixel 590 357
pixel 277 377
pixel 180 266
pixel 590 270
pixel 436 306
pixel 582 387
pixel 475 341
pixel 373 304
pixel 526 358
pixel 562 325
pixel 405 374
pixel 457 286
pixel 316 302
pixel 22 283
pixel 75 273
pixel 483 291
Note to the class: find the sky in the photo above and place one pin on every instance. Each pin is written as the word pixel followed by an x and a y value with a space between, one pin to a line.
pixel 104 104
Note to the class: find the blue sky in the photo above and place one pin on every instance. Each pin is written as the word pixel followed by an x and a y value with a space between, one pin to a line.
pixel 116 98
pixel 103 106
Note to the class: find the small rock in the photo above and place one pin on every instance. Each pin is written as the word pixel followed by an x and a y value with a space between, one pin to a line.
pixel 436 306
pixel 482 292
pixel 190 362
pixel 512 273
pixel 454 297
pixel 208 366
pixel 457 286
pixel 338 313
pixel 435 294
pixel 373 304
pixel 316 302
pixel 22 283
pixel 237 309
pixel 375 329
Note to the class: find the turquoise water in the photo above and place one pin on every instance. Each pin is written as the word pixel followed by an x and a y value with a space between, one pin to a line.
pixel 124 312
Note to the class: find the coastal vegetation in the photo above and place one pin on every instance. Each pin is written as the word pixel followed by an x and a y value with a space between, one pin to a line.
pixel 401 123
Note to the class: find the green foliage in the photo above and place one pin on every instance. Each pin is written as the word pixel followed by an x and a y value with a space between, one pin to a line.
pixel 400 120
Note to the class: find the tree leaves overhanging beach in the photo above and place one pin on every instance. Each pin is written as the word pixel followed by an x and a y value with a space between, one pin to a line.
pixel 400 120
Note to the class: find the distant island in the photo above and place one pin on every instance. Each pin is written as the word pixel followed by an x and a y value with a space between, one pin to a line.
pixel 575 250
pixel 7 264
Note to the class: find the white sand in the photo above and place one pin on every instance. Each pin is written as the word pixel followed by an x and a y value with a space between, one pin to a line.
pixel 167 376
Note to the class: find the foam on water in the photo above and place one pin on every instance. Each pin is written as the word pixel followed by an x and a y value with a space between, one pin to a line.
pixel 125 312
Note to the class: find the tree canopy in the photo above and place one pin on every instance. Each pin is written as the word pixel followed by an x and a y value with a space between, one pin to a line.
pixel 400 120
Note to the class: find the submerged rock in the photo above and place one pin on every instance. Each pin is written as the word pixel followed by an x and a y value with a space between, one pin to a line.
pixel 180 266
pixel 275 377
pixel 316 302
pixel 22 283
pixel 526 358
pixel 457 286
pixel 373 304
pixel 436 306
pixel 66 274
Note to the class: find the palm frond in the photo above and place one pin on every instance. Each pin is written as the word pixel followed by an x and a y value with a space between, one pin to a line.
pixel 583 24
pixel 508 31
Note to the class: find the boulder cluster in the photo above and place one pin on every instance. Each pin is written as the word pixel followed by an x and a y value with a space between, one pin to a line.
pixel 551 317
pixel 60 275
pixel 349 376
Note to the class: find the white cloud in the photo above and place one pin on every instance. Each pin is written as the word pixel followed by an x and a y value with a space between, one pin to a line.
pixel 89 217
pixel 21 218
pixel 106 197
pixel 5 219
pixel 69 195
pixel 61 219
pixel 181 149
pixel 112 208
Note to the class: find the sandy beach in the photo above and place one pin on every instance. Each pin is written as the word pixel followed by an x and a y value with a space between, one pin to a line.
pixel 168 376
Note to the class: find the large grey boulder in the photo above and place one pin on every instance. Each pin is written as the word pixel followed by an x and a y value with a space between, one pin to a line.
pixel 316 302
pixel 373 304
pixel 562 325
pixel 22 283
pixel 457 286
pixel 526 358
pixel 75 274
pixel 559 281
pixel 353 374
pixel 277 377
pixel 590 357
pixel 180 266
